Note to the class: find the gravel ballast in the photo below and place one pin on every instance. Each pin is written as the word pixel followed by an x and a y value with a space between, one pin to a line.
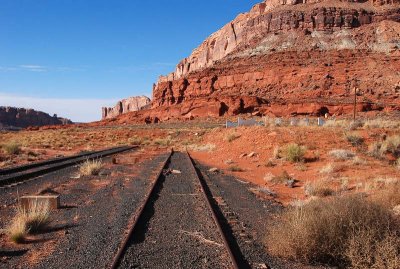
pixel 177 229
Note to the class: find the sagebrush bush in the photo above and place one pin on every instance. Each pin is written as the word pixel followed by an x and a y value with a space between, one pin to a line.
pixel 294 153
pixel 342 154
pixel 341 231
pixel 91 167
pixel 12 148
pixel 354 139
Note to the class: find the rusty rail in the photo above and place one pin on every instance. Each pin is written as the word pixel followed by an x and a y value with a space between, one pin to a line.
pixel 214 215
pixel 136 216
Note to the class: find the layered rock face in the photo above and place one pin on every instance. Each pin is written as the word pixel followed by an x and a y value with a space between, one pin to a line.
pixel 130 104
pixel 23 117
pixel 291 57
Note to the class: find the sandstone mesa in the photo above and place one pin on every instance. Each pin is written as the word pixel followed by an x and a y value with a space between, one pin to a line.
pixel 287 58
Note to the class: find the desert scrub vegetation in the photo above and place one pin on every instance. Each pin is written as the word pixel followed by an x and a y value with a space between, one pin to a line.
pixel 390 145
pixel 319 188
pixel 346 231
pixel 163 142
pixel 354 139
pixel 294 153
pixel 11 148
pixel 33 219
pixel 235 168
pixel 342 154
pixel 232 136
pixel 91 167
pixel 202 148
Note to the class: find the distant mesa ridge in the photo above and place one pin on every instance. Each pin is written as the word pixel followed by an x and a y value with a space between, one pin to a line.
pixel 26 117
pixel 130 104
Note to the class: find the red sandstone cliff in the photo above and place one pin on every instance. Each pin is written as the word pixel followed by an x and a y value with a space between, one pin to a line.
pixel 289 57
pixel 23 117
pixel 130 104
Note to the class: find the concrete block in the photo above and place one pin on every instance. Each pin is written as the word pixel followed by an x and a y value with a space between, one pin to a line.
pixel 53 200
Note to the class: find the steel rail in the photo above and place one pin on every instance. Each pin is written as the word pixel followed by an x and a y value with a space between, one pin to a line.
pixel 214 215
pixel 136 217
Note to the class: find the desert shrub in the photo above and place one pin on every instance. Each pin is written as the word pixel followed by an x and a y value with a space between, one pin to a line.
pixel 354 140
pixel 12 148
pixel 163 141
pixel 280 179
pixel 319 188
pixel 342 154
pixel 235 168
pixel 344 231
pixel 327 169
pixel 277 153
pixel 354 125
pixel 294 153
pixel 389 195
pixel 205 147
pixel 381 123
pixel 136 140
pixel 375 151
pixel 391 145
pixel 90 167
pixel 232 136
pixel 358 161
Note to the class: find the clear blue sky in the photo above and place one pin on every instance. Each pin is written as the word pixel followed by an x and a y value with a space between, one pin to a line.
pixel 100 51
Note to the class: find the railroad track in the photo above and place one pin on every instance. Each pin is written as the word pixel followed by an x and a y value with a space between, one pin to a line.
pixel 14 176
pixel 177 225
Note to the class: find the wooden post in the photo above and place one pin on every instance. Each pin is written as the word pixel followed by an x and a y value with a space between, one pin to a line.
pixel 355 104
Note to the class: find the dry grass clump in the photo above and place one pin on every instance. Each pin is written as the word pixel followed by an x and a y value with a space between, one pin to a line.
pixel 91 167
pixel 328 169
pixel 283 178
pixel 354 139
pixel 164 142
pixel 342 154
pixel 17 231
pixel 294 153
pixel 347 231
pixel 33 219
pixel 381 123
pixel 319 188
pixel 390 145
pixel 232 136
pixel 202 148
pixel 11 148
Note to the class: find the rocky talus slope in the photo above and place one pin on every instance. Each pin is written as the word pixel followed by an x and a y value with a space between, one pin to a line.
pixel 25 117
pixel 289 58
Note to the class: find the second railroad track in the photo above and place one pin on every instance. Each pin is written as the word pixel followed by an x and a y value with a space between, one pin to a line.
pixel 15 175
